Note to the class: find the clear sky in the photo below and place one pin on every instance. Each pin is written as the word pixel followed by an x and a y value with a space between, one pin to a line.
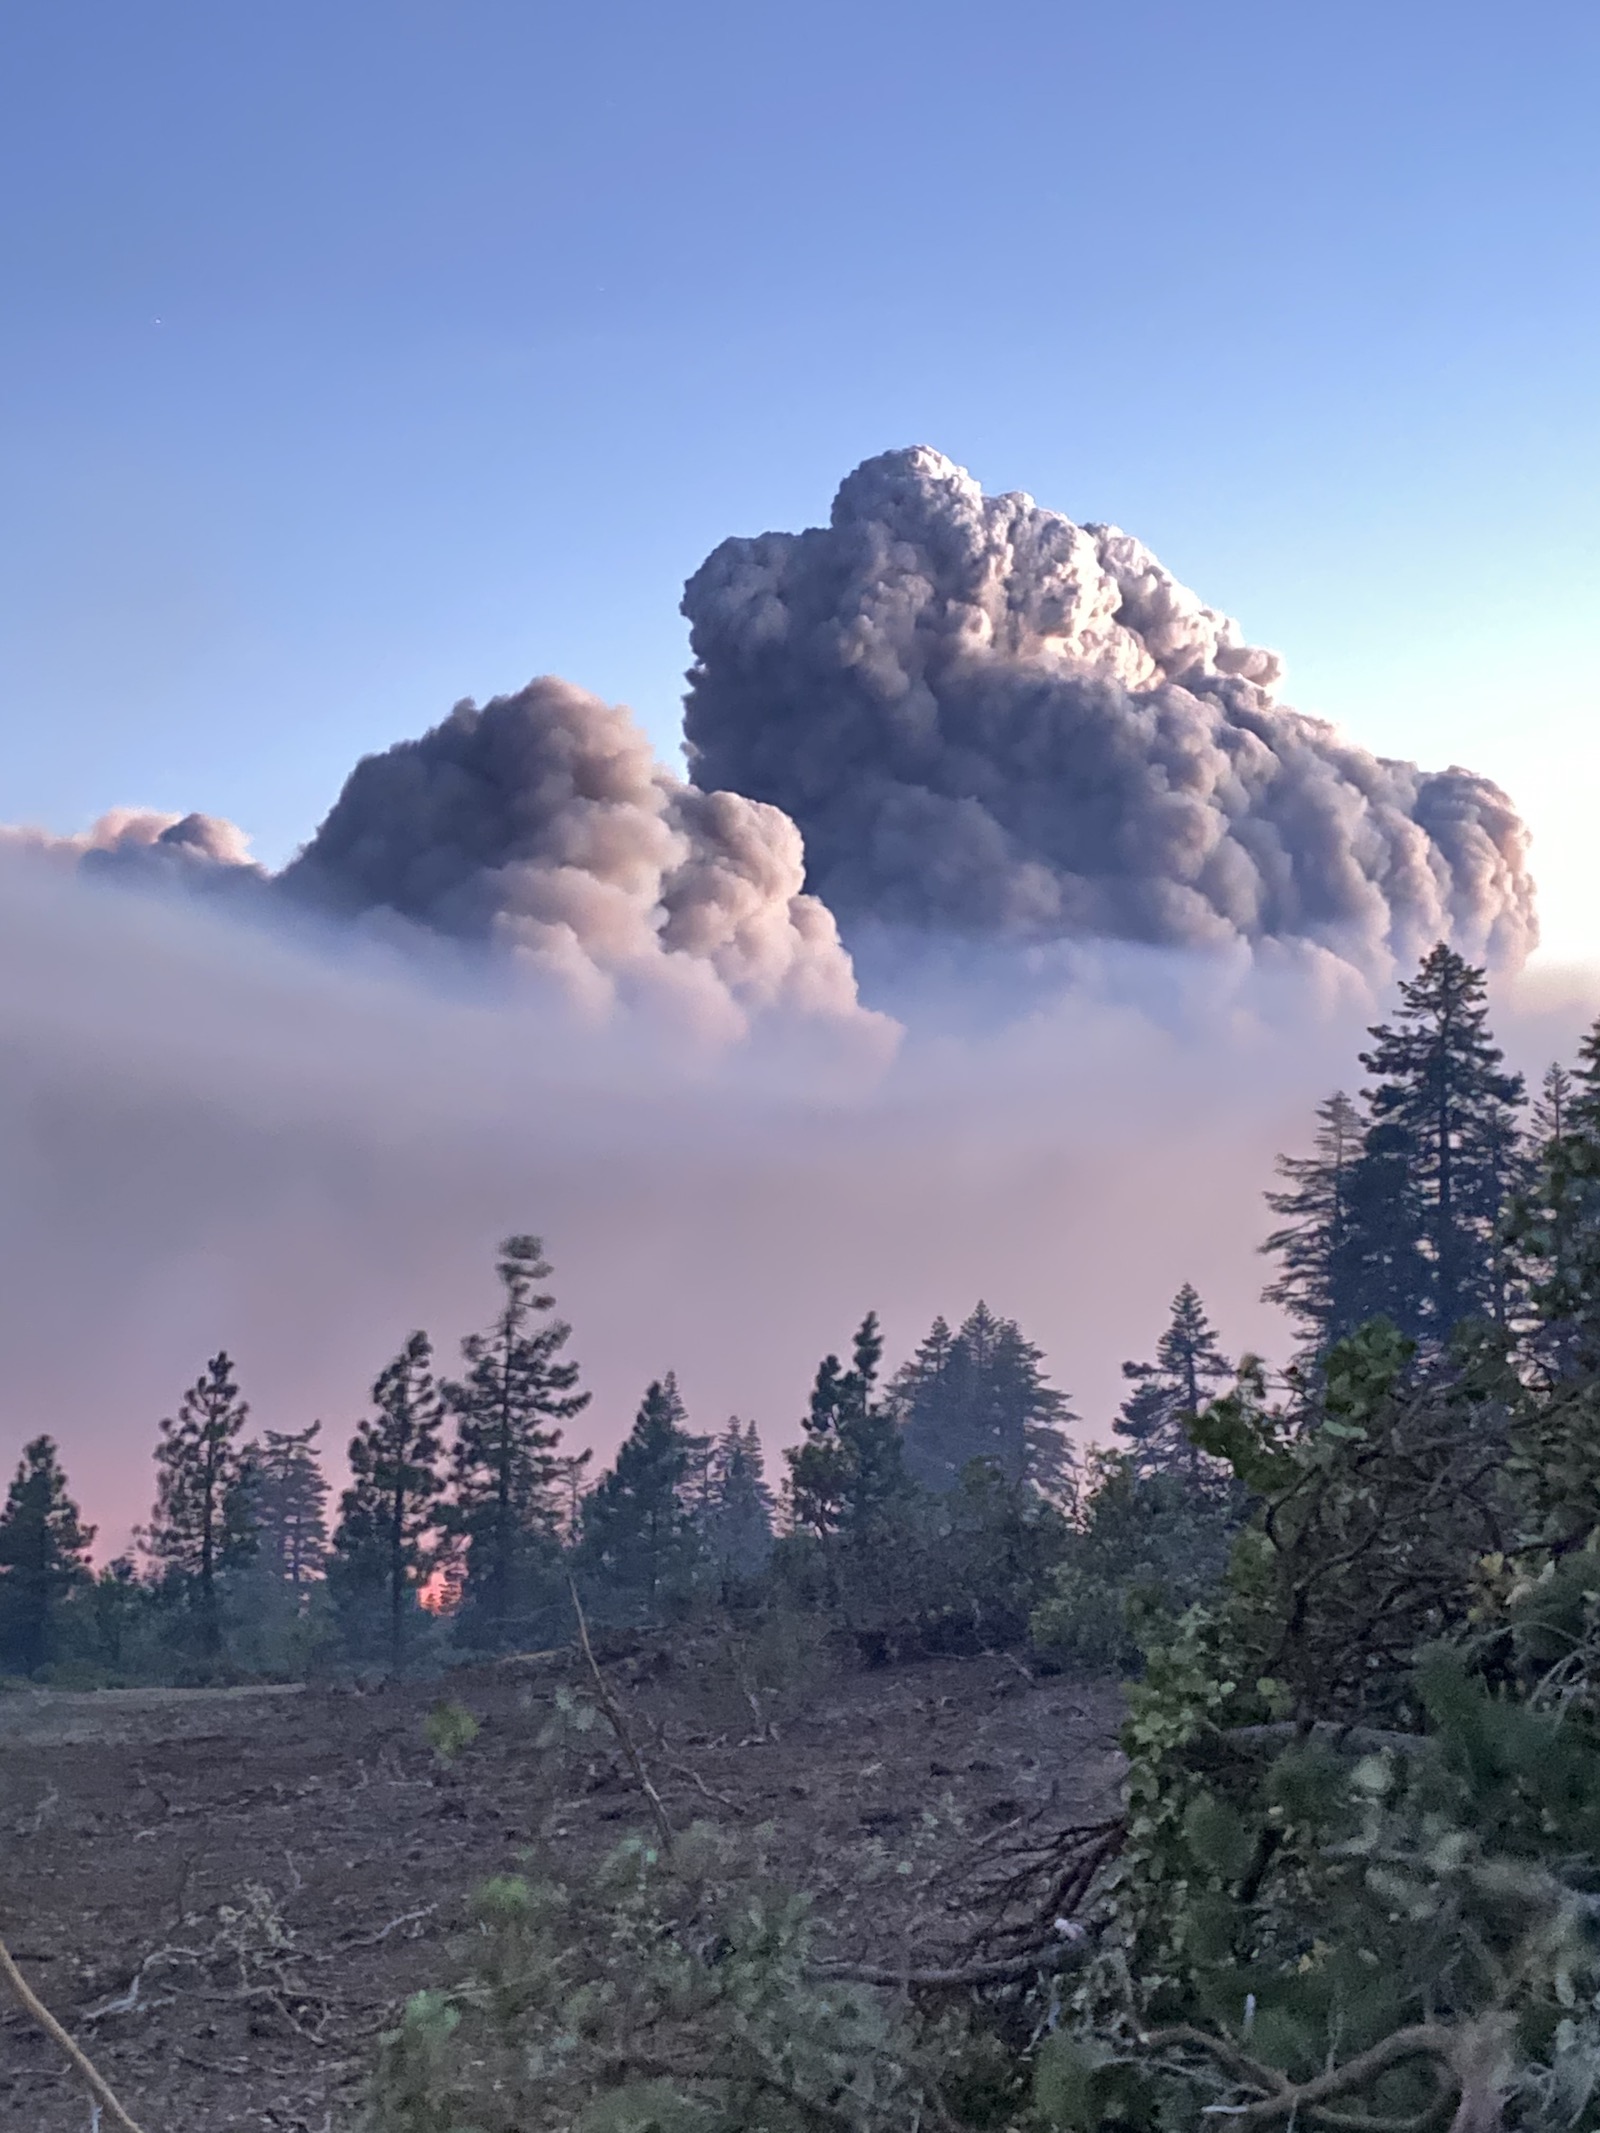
pixel 357 356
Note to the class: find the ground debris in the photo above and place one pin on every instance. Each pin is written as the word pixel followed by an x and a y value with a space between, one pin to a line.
pixel 324 1824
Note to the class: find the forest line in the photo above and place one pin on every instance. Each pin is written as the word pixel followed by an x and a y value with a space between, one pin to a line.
pixel 465 1517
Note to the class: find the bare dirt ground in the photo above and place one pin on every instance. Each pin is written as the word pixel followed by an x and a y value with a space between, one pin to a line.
pixel 227 1894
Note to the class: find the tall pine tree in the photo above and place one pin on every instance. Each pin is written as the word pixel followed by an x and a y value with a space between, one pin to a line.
pixel 1444 1114
pixel 288 1503
pixel 508 1408
pixel 44 1557
pixel 1317 1247
pixel 567 1476
pixel 639 1547
pixel 1189 1368
pixel 1551 1116
pixel 202 1524
pixel 848 1475
pixel 734 1512
pixel 981 1394
pixel 389 1515
pixel 1554 1228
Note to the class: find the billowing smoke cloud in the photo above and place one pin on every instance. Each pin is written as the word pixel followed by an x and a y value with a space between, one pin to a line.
pixel 542 824
pixel 542 829
pixel 988 720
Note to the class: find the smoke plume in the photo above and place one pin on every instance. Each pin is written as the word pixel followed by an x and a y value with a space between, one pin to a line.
pixel 989 721
pixel 291 1114
pixel 542 824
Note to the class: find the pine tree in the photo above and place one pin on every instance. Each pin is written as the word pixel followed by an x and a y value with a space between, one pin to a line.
pixel 505 1505
pixel 120 1602
pixel 567 1478
pixel 1444 1113
pixel 1585 1095
pixel 44 1557
pixel 981 1394
pixel 639 1545
pixel 288 1503
pixel 1314 1247
pixel 390 1512
pixel 1553 1230
pixel 1188 1365
pixel 1552 1113
pixel 848 1474
pixel 735 1509
pixel 202 1527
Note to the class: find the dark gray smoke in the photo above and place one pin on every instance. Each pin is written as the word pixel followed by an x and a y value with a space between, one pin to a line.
pixel 988 720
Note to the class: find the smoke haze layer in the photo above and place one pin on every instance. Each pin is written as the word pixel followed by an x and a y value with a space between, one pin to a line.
pixel 218 1134
pixel 990 721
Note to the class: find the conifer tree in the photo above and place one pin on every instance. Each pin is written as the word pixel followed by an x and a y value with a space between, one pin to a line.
pixel 44 1557
pixel 639 1546
pixel 1552 1116
pixel 390 1513
pixel 1188 1368
pixel 288 1503
pixel 932 1395
pixel 1553 1231
pixel 848 1474
pixel 1314 1247
pixel 567 1478
pixel 202 1526
pixel 120 1601
pixel 981 1394
pixel 508 1408
pixel 735 1510
pixel 1444 1117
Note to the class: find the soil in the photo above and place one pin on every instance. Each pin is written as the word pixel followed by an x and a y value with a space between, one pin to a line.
pixel 225 1895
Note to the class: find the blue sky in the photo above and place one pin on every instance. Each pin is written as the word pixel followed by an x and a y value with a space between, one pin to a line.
pixel 357 357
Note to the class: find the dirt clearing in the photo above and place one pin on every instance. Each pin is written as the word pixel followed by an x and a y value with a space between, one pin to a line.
pixel 226 1894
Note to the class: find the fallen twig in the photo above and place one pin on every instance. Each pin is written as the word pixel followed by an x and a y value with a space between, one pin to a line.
pixel 1280 2098
pixel 374 1940
pixel 1058 1954
pixel 717 1799
pixel 36 2011
pixel 619 1725
pixel 1365 1740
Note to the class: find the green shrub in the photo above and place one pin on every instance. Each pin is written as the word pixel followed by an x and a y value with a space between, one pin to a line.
pixel 657 1991
pixel 1147 1548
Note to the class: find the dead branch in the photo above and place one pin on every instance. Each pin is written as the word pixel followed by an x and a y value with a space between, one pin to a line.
pixel 1043 1882
pixel 1053 1956
pixel 1365 1740
pixel 1279 2098
pixel 717 1799
pixel 36 2011
pixel 619 1725
pixel 375 1940
pixel 128 2001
